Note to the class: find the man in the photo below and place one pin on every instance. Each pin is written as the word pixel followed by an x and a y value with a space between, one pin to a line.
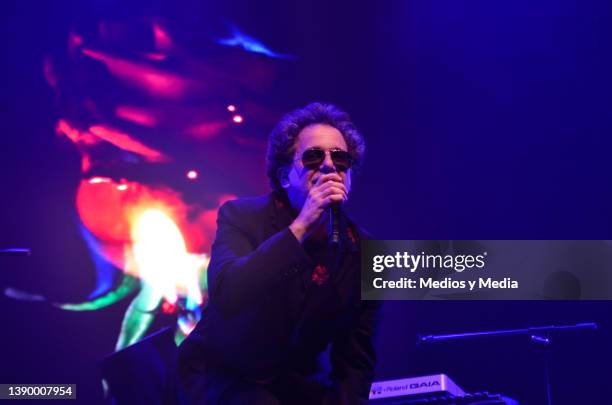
pixel 283 300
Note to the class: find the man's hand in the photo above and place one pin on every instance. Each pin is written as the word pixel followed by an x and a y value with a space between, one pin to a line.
pixel 328 190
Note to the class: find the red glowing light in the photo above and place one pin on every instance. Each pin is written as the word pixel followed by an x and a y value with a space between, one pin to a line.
pixel 162 38
pixel 63 127
pixel 231 108
pixel 74 40
pixel 155 56
pixel 168 307
pixel 137 115
pixel 96 180
pixel 156 82
pixel 126 142
pixel 192 175
pixel 206 130
pixel 237 119
pixel 49 72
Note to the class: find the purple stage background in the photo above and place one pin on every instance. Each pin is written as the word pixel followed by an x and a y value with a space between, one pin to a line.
pixel 483 120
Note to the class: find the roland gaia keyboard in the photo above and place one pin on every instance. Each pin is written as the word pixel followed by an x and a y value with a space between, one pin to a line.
pixel 436 389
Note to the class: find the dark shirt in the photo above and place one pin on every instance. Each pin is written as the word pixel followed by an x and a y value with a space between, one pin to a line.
pixel 275 305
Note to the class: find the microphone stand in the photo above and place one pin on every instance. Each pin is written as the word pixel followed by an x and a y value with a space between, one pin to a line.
pixel 539 335
pixel 15 252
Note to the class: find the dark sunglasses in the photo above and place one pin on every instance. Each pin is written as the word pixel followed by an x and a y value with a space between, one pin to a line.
pixel 312 159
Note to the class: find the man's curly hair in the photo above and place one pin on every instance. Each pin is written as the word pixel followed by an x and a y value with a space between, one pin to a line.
pixel 281 143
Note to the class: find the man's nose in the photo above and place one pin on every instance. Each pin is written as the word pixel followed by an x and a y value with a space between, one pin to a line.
pixel 327 166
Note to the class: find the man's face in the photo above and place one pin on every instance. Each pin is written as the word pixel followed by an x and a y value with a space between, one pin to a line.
pixel 300 179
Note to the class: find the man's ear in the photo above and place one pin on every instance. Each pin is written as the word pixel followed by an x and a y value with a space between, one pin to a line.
pixel 282 174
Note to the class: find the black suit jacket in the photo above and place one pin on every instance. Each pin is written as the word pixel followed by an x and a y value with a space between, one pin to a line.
pixel 265 317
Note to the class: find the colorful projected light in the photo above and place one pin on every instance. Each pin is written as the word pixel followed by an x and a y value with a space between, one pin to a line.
pixel 151 122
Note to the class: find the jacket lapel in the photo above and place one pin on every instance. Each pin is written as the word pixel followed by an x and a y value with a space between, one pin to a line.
pixel 280 212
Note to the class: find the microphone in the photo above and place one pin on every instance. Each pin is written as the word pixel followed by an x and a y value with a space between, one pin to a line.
pixel 334 225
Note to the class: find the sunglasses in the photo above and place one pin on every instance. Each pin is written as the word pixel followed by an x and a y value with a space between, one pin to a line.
pixel 312 159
